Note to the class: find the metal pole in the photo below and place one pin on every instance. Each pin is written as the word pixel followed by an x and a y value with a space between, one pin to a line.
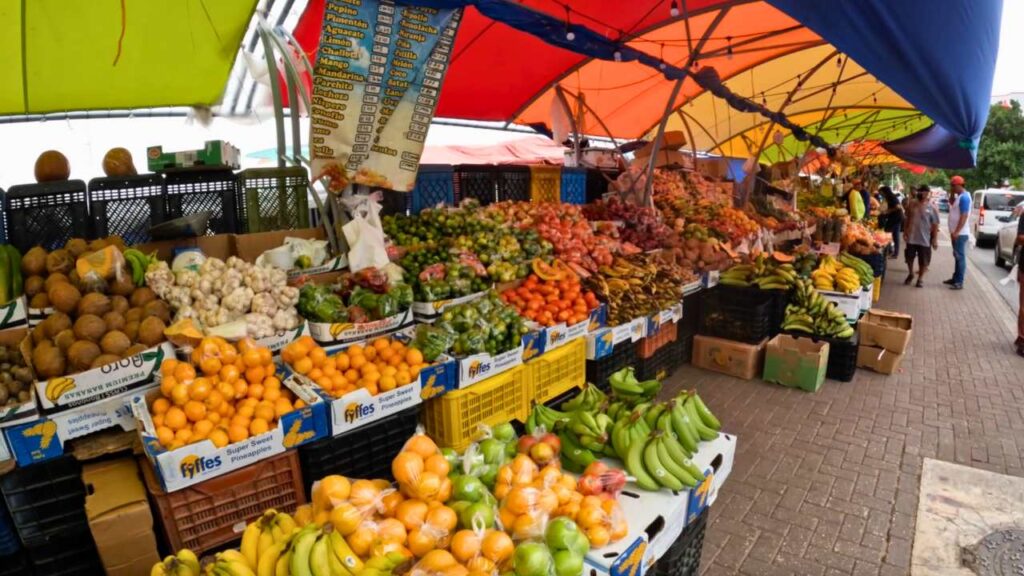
pixel 275 91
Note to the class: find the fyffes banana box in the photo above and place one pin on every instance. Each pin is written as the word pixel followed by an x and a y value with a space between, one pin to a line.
pixel 601 342
pixel 428 312
pixel 194 463
pixel 14 314
pixel 42 439
pixel 68 392
pixel 348 333
pixel 561 334
pixel 848 304
pixel 283 338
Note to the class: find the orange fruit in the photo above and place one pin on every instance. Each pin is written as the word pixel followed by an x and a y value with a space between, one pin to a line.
pixel 227 389
pixel 357 362
pixel 214 399
pixel 164 435
pixel 219 437
pixel 256 390
pixel 255 375
pixel 391 530
pixel 298 404
pixel 251 358
pixel 167 383
pixel 355 350
pixel 184 435
pixel 241 388
pixel 436 561
pixel 443 518
pixel 381 344
pixel 303 366
pixel 421 444
pixel 590 516
pixel 184 372
pixel 361 541
pixel 199 389
pixel 160 405
pixel 370 353
pixel 364 493
pixel 317 355
pixel 352 375
pixel 247 410
pixel 167 366
pixel 229 373
pixel 413 356
pixel 258 426
pixel 481 566
pixel 265 410
pixel 315 374
pixel 345 518
pixel 282 406
pixel 195 411
pixel 437 464
pixel 389 503
pixel 202 429
pixel 421 542
pixel 411 513
pixel 465 545
pixel 598 535
pixel 237 433
pixel 342 362
pixel 271 394
pixel 402 378
pixel 407 467
pixel 266 356
pixel 497 546
pixel 213 416
pixel 507 517
pixel 428 486
pixel 158 420
pixel 175 418
pixel 272 382
pixel 210 365
pixel 387 383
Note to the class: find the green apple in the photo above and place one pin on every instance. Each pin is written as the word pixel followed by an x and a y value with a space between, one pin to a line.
pixel 511 449
pixel 532 559
pixel 489 476
pixel 482 513
pixel 578 544
pixel 567 563
pixel 504 432
pixel 468 488
pixel 559 533
pixel 459 506
pixel 493 451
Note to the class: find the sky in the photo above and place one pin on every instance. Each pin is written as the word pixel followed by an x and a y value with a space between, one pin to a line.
pixel 1009 75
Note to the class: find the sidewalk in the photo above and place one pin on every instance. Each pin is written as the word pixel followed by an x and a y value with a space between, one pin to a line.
pixel 827 483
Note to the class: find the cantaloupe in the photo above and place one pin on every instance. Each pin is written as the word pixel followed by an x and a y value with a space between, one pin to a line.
pixel 52 166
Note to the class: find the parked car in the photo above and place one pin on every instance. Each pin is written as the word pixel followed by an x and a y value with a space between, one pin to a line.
pixel 992 210
pixel 943 203
pixel 1006 252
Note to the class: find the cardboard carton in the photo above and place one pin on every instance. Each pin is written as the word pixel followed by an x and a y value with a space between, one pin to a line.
pixel 119 517
pixel 728 357
pixel 878 359
pixel 884 329
pixel 796 362
pixel 218 246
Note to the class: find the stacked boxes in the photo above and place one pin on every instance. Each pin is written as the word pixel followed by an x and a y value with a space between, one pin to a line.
pixel 884 337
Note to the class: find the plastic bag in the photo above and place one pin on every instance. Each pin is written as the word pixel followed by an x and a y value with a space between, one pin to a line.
pixel 314 250
pixel 421 470
pixel 319 304
pixel 402 294
pixel 386 306
pixel 364 234
pixel 432 341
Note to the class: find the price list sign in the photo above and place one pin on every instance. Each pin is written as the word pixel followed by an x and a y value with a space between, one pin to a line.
pixel 377 80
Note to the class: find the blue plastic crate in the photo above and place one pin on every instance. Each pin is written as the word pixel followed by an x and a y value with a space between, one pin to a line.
pixel 574 185
pixel 435 184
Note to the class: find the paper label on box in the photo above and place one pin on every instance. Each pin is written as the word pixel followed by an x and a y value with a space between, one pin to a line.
pixel 328 334
pixel 14 314
pixel 37 315
pixel 477 367
pixel 630 562
pixel 66 392
pixel 330 265
pixel 848 304
pixel 561 334
pixel 692 287
pixel 359 408
pixel 710 279
pixel 431 311
pixel 283 338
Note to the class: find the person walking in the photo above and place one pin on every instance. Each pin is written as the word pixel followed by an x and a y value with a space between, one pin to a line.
pixel 1019 243
pixel 921 235
pixel 891 217
pixel 959 231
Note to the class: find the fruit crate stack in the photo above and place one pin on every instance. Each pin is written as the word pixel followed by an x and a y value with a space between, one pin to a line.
pixel 736 313
pixel 47 506
pixel 658 354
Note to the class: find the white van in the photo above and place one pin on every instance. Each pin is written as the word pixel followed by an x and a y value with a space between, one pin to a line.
pixel 992 210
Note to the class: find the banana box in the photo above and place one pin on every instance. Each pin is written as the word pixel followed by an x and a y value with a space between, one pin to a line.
pixel 848 304
pixel 69 392
pixel 283 338
pixel 348 333
pixel 428 312
pixel 709 279
pixel 336 264
pixel 44 438
pixel 34 316
pixel 671 314
pixel 14 314
pixel 694 287
pixel 602 341
pixel 560 334
pixel 656 519
pixel 5 452
pixel 201 461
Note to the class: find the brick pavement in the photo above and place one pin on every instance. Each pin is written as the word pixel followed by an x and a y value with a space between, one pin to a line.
pixel 827 483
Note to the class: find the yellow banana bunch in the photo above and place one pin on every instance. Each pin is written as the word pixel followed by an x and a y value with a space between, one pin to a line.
pixel 230 563
pixel 185 563
pixel 271 529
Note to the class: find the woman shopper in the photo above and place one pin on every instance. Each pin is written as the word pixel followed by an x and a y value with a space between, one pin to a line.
pixel 891 218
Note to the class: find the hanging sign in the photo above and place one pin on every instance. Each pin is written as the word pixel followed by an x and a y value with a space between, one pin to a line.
pixel 377 80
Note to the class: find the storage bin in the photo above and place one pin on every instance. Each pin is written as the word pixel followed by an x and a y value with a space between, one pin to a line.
pixel 47 214
pixel 553 373
pixel 127 207
pixel 454 420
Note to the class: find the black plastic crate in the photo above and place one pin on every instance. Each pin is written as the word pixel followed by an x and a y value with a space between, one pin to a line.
pixel 598 371
pixel 661 364
pixel 45 499
pixel 71 553
pixel 365 452
pixel 684 349
pixel 47 214
pixel 722 315
pixel 435 184
pixel 691 314
pixel 9 542
pixel 477 182
pixel 597 183
pixel 393 202
pixel 127 207
pixel 273 199
pixel 749 296
pixel 514 183
pixel 562 398
pixel 16 564
pixel 842 355
pixel 683 557
pixel 190 191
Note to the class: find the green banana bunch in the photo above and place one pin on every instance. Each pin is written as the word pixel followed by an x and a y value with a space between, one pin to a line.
pixel 629 390
pixel 763 272
pixel 545 416
pixel 138 263
pixel 591 398
pixel 864 271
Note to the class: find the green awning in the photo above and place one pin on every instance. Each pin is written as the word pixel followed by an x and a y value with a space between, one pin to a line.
pixel 59 55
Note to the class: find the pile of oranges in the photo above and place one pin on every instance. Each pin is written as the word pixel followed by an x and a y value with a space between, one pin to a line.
pixel 378 366
pixel 226 394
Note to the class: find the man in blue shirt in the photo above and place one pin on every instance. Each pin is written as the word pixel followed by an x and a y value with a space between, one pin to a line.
pixel 959 231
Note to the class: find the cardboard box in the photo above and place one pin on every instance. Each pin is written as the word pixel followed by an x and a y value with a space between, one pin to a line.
pixel 43 439
pixel 283 338
pixel 428 312
pixel 796 362
pixel 213 153
pixel 602 342
pixel 670 140
pixel 884 329
pixel 218 246
pixel 194 463
pixel 878 359
pixel 119 517
pixel 558 335
pixel 728 357
pixel 656 519
pixel 249 247
pixel 331 334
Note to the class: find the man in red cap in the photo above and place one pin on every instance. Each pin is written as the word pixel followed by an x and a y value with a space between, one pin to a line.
pixel 959 231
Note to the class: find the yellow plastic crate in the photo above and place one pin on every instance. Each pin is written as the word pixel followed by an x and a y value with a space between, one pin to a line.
pixel 545 184
pixel 553 373
pixel 877 292
pixel 454 420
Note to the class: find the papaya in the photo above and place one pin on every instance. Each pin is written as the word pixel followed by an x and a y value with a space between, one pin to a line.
pixel 545 271
pixel 101 263
pixel 184 333
pixel 782 257
pixel 564 270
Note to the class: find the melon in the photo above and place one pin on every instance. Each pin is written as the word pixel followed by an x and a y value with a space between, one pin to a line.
pixel 117 163
pixel 52 166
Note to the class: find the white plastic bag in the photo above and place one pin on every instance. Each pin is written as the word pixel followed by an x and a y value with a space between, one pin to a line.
pixel 364 233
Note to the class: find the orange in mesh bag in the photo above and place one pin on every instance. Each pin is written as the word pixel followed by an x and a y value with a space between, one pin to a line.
pixel 421 470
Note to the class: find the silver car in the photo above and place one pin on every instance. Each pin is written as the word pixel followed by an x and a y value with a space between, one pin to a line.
pixel 1006 238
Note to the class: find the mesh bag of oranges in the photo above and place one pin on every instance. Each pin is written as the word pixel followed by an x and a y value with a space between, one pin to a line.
pixel 224 393
pixel 379 365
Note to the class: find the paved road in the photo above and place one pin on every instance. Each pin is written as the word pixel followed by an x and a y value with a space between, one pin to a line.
pixel 984 259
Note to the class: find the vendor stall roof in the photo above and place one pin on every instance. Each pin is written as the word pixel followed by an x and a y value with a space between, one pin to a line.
pixel 69 55
pixel 821 62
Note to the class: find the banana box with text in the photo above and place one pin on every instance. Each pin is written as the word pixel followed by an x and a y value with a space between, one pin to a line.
pixel 348 333
pixel 429 312
pixel 477 367
pixel 558 335
pixel 848 304
pixel 194 463
pixel 42 439
pixel 283 338
pixel 335 264
pixel 656 321
pixel 656 519
pixel 14 314
pixel 601 342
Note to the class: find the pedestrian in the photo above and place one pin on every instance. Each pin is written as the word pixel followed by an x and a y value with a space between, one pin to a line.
pixel 1019 243
pixel 855 202
pixel 959 231
pixel 921 234
pixel 891 217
